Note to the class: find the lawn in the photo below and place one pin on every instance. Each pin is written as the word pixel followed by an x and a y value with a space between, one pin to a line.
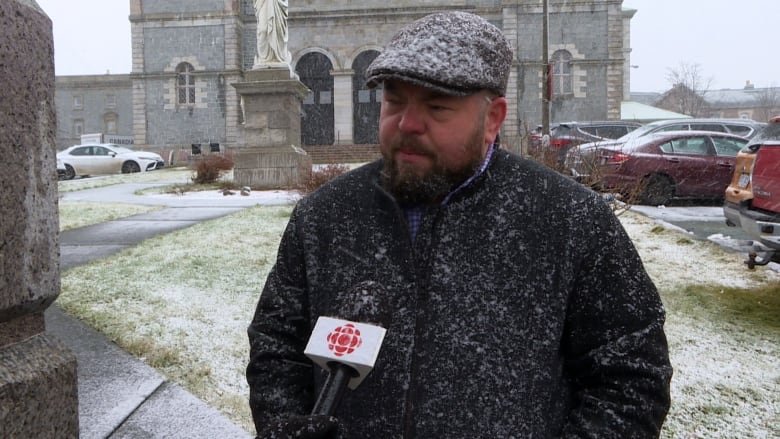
pixel 187 316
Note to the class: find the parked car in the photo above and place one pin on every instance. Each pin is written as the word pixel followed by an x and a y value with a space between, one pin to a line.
pixel 106 158
pixel 740 190
pixel 566 135
pixel 61 170
pixel 759 216
pixel 655 168
pixel 579 160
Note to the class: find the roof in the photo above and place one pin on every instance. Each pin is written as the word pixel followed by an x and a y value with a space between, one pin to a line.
pixel 647 98
pixel 634 111
pixel 740 98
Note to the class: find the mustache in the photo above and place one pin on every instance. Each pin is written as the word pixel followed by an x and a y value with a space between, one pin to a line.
pixel 409 144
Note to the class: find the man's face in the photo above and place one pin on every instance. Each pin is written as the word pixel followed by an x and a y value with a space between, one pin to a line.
pixel 431 142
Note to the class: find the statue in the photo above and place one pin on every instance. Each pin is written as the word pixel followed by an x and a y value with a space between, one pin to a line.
pixel 271 33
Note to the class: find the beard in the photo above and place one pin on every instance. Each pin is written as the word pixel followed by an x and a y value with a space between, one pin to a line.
pixel 411 186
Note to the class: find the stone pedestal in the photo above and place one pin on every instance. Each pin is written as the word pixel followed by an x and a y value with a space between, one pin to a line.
pixel 269 155
pixel 38 391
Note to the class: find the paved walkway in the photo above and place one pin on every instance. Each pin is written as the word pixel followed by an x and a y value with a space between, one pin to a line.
pixel 119 395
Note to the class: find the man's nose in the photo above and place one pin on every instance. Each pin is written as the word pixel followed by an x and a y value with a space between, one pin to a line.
pixel 412 120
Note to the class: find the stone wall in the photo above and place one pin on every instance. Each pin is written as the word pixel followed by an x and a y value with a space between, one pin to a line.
pixel 38 391
pixel 95 93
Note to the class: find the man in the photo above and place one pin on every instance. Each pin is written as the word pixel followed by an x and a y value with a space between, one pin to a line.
pixel 514 302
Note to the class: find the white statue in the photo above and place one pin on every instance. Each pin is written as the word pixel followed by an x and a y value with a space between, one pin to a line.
pixel 271 33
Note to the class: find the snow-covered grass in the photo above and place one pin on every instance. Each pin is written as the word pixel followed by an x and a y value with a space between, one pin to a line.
pixel 75 214
pixel 165 174
pixel 187 314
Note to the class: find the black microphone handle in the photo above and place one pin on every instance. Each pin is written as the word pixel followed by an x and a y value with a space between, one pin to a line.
pixel 334 388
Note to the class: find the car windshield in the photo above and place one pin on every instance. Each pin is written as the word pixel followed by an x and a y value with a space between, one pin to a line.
pixel 639 132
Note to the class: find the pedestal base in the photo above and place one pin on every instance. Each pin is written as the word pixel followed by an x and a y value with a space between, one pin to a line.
pixel 38 391
pixel 271 167
pixel 268 155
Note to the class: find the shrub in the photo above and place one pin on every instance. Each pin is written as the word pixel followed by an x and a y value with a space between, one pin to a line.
pixel 209 168
pixel 320 176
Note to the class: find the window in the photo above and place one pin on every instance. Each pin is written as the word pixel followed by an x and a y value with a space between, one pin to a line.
pixel 82 150
pixel 110 101
pixel 674 127
pixel 78 102
pixel 185 84
pixel 740 130
pixel 612 132
pixel 692 145
pixel 78 127
pixel 364 96
pixel 708 127
pixel 109 122
pixel 727 147
pixel 561 73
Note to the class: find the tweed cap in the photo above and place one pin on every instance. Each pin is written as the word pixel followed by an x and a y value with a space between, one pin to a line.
pixel 455 53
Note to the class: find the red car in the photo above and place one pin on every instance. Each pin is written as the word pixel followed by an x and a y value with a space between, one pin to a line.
pixel 656 168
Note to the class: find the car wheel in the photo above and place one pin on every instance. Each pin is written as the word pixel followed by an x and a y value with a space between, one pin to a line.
pixel 656 189
pixel 130 167
pixel 70 174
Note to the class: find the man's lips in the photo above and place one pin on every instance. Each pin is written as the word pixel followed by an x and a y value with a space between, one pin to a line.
pixel 411 154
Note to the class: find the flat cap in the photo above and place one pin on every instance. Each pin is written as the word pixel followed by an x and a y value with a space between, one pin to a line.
pixel 455 53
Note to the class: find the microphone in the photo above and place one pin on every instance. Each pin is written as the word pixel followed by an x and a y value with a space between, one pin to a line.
pixel 348 350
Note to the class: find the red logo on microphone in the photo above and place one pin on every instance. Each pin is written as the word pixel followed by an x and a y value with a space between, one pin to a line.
pixel 344 340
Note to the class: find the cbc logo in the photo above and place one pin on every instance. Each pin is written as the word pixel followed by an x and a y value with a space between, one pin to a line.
pixel 344 340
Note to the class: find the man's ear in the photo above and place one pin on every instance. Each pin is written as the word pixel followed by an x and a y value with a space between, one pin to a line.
pixel 496 113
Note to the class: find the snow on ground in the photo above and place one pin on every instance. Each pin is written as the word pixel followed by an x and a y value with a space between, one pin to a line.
pixel 726 381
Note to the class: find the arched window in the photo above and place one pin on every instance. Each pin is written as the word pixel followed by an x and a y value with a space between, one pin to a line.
pixel 561 71
pixel 317 111
pixel 366 102
pixel 185 84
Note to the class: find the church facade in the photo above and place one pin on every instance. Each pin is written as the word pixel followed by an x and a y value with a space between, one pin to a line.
pixel 188 54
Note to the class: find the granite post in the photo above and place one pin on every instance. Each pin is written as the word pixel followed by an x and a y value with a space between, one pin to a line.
pixel 268 154
pixel 38 387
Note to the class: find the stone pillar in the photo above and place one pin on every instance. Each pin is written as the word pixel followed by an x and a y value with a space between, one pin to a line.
pixel 268 154
pixel 342 106
pixel 38 391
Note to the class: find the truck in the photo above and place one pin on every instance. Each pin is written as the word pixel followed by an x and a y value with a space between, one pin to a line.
pixel 759 216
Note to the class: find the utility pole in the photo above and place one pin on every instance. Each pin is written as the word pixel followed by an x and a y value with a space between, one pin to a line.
pixel 546 83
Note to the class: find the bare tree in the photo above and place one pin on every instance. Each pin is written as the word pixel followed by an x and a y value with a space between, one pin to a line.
pixel 688 88
pixel 767 103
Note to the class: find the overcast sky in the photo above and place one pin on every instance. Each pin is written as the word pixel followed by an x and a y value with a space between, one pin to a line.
pixel 730 40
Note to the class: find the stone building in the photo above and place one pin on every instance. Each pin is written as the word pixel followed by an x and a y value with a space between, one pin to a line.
pixel 187 54
pixel 749 102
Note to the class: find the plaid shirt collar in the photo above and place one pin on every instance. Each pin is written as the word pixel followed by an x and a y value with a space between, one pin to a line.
pixel 414 214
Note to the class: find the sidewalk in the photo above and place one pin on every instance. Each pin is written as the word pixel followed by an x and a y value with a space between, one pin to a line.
pixel 119 395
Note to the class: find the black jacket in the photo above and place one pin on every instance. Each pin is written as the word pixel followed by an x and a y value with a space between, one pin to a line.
pixel 520 310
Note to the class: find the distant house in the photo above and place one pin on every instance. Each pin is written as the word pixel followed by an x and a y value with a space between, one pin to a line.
pixel 682 99
pixel 746 103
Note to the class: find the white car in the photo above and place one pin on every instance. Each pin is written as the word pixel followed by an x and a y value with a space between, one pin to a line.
pixel 61 170
pixel 106 158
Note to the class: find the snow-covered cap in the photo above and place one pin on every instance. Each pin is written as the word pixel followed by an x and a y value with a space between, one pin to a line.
pixel 456 53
